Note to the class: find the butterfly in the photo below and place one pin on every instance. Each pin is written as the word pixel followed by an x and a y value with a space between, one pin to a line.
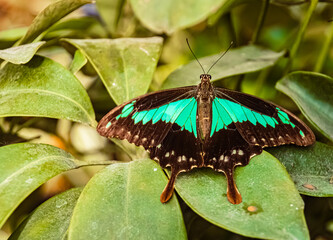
pixel 203 126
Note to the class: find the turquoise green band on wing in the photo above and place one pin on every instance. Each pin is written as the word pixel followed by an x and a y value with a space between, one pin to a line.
pixel 224 112
pixel 182 112
pixel 301 133
pixel 126 110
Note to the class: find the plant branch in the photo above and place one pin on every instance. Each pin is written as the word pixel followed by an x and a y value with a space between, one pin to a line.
pixel 261 20
pixel 300 35
pixel 325 49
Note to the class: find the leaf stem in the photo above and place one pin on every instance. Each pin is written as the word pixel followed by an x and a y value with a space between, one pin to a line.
pixel 260 22
pixel 325 49
pixel 261 80
pixel 300 35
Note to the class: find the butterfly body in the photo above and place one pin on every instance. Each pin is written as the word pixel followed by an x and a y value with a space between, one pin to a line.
pixel 203 126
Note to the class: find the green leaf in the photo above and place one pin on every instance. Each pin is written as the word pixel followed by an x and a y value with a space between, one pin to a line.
pixel 173 15
pixel 110 12
pixel 43 88
pixel 125 65
pixel 20 54
pixel 78 62
pixel 50 15
pixel 26 166
pixel 236 61
pixel 50 220
pixel 271 207
pixel 226 7
pixel 313 94
pixel 310 168
pixel 9 36
pixel 83 27
pixel 122 202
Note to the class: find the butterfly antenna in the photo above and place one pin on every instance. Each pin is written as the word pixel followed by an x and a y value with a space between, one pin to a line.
pixel 188 44
pixel 221 56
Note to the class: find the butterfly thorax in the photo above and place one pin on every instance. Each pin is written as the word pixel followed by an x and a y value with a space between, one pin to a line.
pixel 205 96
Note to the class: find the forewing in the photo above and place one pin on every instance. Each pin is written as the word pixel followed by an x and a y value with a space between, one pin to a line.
pixel 144 120
pixel 258 121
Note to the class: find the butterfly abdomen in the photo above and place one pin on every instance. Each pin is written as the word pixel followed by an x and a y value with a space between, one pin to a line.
pixel 204 118
pixel 204 98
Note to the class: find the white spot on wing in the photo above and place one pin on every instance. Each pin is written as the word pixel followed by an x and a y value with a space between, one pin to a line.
pixel 240 152
pixel 167 154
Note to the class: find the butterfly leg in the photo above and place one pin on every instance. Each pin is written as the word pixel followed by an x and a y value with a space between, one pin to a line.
pixel 169 188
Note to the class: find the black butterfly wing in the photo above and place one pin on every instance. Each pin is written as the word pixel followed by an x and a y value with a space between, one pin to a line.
pixel 241 126
pixel 226 149
pixel 263 123
pixel 120 122
pixel 165 124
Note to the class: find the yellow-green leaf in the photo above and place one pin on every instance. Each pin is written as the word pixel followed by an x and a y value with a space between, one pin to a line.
pixel 43 88
pixel 122 202
pixel 125 65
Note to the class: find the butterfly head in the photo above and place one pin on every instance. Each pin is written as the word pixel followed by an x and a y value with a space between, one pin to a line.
pixel 205 77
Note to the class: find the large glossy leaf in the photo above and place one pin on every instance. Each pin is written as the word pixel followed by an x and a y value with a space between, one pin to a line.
pixel 311 168
pixel 26 166
pixel 20 54
pixel 125 65
pixel 271 207
pixel 170 16
pixel 122 202
pixel 43 88
pixel 50 15
pixel 313 94
pixel 50 220
pixel 236 61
